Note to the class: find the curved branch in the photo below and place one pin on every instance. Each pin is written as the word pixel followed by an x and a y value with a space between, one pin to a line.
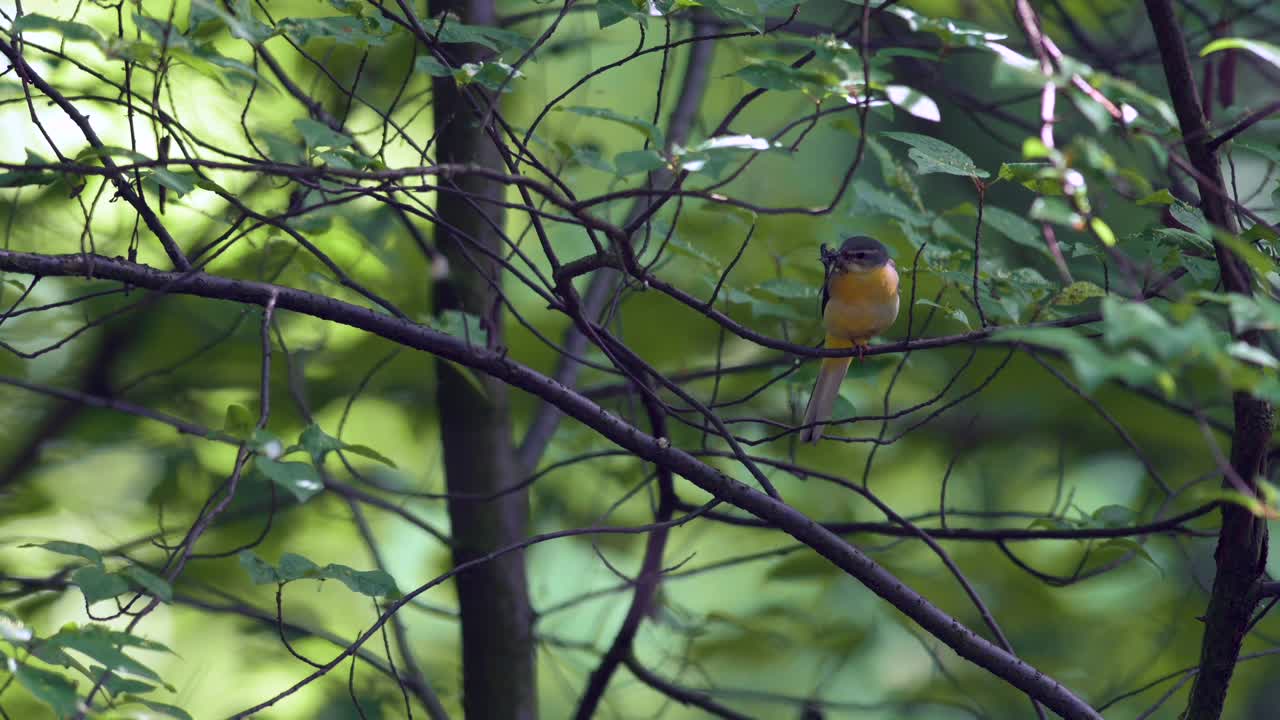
pixel 659 451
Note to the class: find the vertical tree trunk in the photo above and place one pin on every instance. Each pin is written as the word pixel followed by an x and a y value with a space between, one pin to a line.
pixel 475 428
pixel 1241 554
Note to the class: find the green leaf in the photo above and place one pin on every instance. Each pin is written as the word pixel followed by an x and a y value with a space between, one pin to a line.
pixel 96 584
pixel 935 156
pixel 1040 178
pixel 789 289
pixel 298 478
pixel 1159 197
pixel 296 567
pixel 239 421
pixel 431 66
pixel 647 128
pixel 104 646
pixel 157 586
pixel 492 75
pixel 612 12
pixel 318 443
pixel 68 30
pixel 869 199
pixel 172 711
pixel 1270 152
pixel 1122 546
pixel 50 688
pixel 374 583
pixel 777 75
pixel 954 313
pixel 633 162
pixel 1113 516
pixel 368 452
pixel 317 134
pixel 1057 211
pixel 454 31
pixel 180 183
pixel 1103 231
pixel 240 22
pixel 686 248
pixel 1078 292
pixel 63 547
pixel 1011 225
pixel 342 29
pixel 803 565
pixel 1192 218
pixel 462 325
pixel 1266 51
pixel 260 572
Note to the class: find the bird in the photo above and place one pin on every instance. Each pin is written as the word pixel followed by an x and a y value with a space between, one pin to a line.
pixel 859 301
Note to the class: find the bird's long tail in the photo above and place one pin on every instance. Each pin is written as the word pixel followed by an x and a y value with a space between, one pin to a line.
pixel 825 390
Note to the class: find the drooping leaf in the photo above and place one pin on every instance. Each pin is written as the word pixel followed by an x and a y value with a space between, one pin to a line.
pixel 935 156
pixel 67 29
pixel 97 584
pixel 296 477
pixel 157 586
pixel 1264 50
pixel 51 688
pixel 75 549
pixel 162 709
pixel 374 583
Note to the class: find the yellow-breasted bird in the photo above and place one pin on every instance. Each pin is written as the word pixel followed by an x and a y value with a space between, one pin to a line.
pixel 859 301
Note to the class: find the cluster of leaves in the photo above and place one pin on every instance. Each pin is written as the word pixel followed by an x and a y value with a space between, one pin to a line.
pixel 121 677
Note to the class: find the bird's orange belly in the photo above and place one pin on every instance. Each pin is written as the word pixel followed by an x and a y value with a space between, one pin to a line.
pixel 862 304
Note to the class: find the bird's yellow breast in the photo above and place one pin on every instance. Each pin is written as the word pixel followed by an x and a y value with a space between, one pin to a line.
pixel 862 303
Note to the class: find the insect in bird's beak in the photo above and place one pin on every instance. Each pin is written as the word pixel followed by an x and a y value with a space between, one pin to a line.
pixel 826 254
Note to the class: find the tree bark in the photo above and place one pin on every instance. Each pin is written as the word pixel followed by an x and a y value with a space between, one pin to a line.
pixel 475 428
pixel 1241 554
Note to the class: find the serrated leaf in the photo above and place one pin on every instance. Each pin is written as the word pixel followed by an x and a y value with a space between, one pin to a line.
pixel 94 642
pixel 75 549
pixel 935 156
pixel 50 688
pixel 96 584
pixel 1078 292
